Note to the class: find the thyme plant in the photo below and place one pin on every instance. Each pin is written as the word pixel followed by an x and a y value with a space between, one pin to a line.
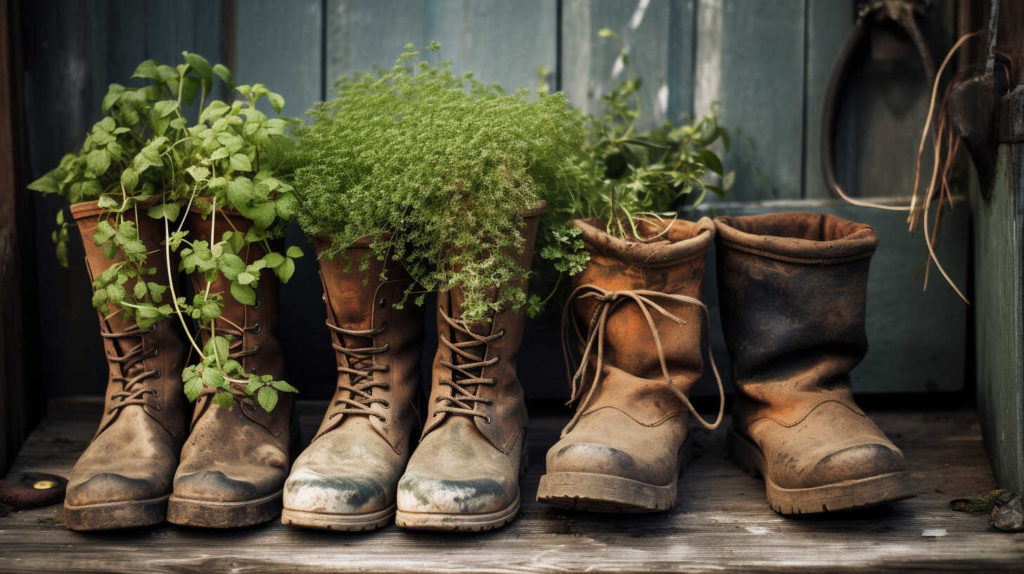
pixel 143 156
pixel 438 168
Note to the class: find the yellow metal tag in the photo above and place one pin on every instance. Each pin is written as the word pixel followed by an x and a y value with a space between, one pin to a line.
pixel 44 485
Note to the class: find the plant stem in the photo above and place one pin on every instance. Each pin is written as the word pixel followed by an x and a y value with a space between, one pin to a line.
pixel 170 285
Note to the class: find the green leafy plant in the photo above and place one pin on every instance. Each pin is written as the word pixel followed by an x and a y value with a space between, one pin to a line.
pixel 144 155
pixel 653 172
pixel 438 168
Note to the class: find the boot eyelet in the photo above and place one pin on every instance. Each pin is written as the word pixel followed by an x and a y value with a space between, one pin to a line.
pixel 501 332
pixel 257 304
pixel 156 352
pixel 155 407
pixel 386 404
pixel 257 328
pixel 156 393
pixel 383 302
pixel 487 420
pixel 158 374
pixel 257 349
pixel 152 328
pixel 383 420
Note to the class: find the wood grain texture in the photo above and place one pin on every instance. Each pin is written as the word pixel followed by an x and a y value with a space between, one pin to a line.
pixel 721 523
pixel 917 340
pixel 750 59
pixel 660 37
pixel 999 314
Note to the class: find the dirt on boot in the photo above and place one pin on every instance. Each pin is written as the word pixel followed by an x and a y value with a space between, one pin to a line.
pixel 347 478
pixel 235 461
pixel 123 479
pixel 793 288
pixel 637 315
pixel 464 475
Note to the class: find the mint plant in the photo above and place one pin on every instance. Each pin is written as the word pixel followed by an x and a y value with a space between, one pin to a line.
pixel 144 156
pixel 438 168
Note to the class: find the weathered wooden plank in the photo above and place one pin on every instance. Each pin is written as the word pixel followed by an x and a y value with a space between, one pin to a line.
pixel 721 522
pixel 916 340
pixel 659 36
pixel 281 45
pixel 750 59
pixel 362 34
pixel 999 313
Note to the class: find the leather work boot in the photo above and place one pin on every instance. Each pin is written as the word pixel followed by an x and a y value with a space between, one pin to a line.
pixel 637 313
pixel 123 478
pixel 464 475
pixel 793 288
pixel 347 477
pixel 235 460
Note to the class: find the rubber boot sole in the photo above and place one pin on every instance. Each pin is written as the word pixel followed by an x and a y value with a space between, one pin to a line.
pixel 211 514
pixel 605 493
pixel 342 522
pixel 845 495
pixel 444 522
pixel 114 515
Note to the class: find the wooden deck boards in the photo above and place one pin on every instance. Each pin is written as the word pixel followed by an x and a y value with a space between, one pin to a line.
pixel 721 523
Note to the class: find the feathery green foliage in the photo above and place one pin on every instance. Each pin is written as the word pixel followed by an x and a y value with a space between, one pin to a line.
pixel 438 169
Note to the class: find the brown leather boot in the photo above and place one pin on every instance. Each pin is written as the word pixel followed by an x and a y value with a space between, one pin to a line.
pixel 464 475
pixel 637 310
pixel 347 477
pixel 123 478
pixel 235 460
pixel 793 288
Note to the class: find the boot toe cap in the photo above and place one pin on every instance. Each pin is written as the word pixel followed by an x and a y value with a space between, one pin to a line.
pixel 592 458
pixel 855 462
pixel 311 491
pixel 214 486
pixel 453 496
pixel 110 487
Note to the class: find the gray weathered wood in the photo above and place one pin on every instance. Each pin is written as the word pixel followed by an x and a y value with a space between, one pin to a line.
pixel 660 38
pixel 721 523
pixel 916 340
pixel 999 313
pixel 750 59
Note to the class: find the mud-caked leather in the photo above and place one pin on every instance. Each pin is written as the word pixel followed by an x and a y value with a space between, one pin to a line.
pixel 235 461
pixel 123 478
pixel 623 449
pixel 793 291
pixel 464 474
pixel 347 478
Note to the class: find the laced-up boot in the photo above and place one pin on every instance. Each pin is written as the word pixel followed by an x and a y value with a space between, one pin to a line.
pixel 123 478
pixel 637 313
pixel 465 472
pixel 235 461
pixel 347 477
pixel 793 288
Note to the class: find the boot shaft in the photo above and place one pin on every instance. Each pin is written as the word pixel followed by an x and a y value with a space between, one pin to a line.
pixel 131 352
pixel 793 289
pixel 377 346
pixel 496 340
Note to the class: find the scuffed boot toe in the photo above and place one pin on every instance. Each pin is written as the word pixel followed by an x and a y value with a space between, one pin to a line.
pixel 592 458
pixel 214 486
pixel 854 463
pixel 453 496
pixel 110 487
pixel 352 503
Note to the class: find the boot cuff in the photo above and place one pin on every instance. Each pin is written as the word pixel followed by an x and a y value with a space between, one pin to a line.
pixel 682 240
pixel 798 237
pixel 86 209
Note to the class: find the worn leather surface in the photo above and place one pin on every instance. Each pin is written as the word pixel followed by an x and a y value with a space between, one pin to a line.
pixel 470 463
pixel 633 426
pixel 241 453
pixel 354 462
pixel 135 449
pixel 793 289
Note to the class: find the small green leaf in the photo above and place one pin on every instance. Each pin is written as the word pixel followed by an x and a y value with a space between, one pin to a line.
pixel 201 66
pixel 129 179
pixel 243 294
pixel 294 251
pixel 276 101
pixel 285 271
pixel 240 162
pixel 267 398
pixel 103 232
pixel 97 162
pixel 224 74
pixel 245 278
pixel 231 266
pixel 284 387
pixel 168 210
pixel 46 184
pixel 273 259
pixel 224 399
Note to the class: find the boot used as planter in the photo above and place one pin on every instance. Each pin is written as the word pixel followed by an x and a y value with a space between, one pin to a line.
pixel 123 478
pixel 464 475
pixel 636 309
pixel 235 461
pixel 793 288
pixel 346 479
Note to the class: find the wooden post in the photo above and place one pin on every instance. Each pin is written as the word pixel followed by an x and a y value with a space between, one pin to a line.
pixel 18 404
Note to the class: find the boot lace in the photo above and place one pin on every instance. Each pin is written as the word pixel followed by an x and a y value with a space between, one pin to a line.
pixel 608 301
pixel 132 371
pixel 466 371
pixel 357 394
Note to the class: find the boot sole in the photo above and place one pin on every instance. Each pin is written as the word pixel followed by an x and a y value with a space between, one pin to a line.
pixel 845 495
pixel 457 522
pixel 605 493
pixel 114 515
pixel 211 514
pixel 342 522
